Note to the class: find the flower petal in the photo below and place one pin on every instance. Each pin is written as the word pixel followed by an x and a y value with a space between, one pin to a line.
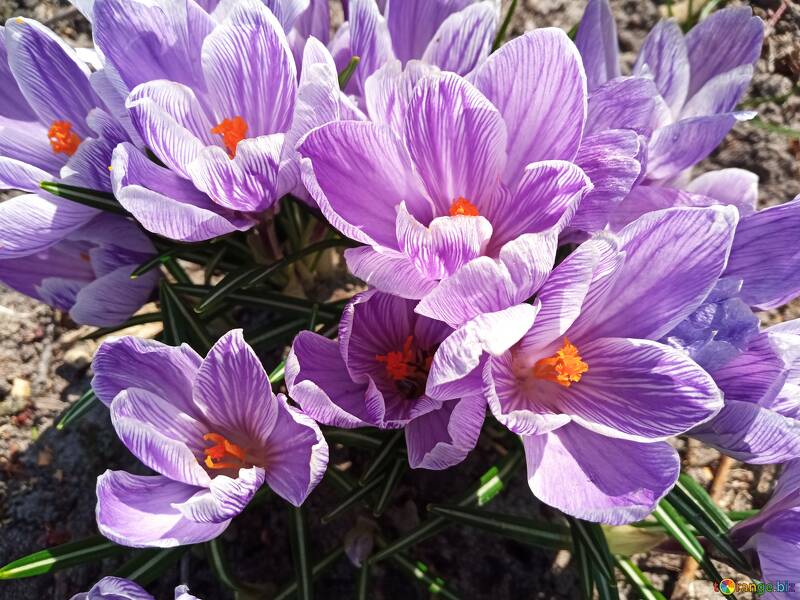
pixel 358 173
pixel 538 84
pixel 389 271
pixel 296 456
pixel 442 438
pixel 413 23
pixel 730 186
pixel 141 511
pixel 766 255
pixel 596 478
pixel 19 175
pixel 457 140
pixel 664 55
pixel 225 498
pixel 250 70
pixel 369 40
pixel 165 371
pixel 596 40
pixel 720 94
pixel 626 103
pixel 113 298
pixel 464 39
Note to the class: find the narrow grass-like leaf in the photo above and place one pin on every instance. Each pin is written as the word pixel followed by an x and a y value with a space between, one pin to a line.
pixel 582 564
pixel 61 557
pixel 92 198
pixel 154 262
pixel 351 437
pixel 606 588
pixel 153 317
pixel 638 580
pixel 78 410
pixel 215 554
pixel 273 333
pixel 232 282
pixel 213 263
pixel 521 529
pixel 277 373
pixel 290 591
pixel 362 587
pixel 772 128
pixel 419 571
pixel 174 269
pixel 492 482
pixel 150 564
pixel 300 555
pixel 186 327
pixel 353 498
pixel 705 526
pixel 396 473
pixel 382 457
pixel 347 72
pixel 674 524
pixel 501 33
pixel 594 542
pixel 693 490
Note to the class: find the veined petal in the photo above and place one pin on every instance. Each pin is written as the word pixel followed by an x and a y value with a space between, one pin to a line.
pixel 538 84
pixel 389 90
pixel 225 497
pixel 720 94
pixel 141 511
pixel 413 23
pixel 18 175
pixel 464 39
pixel 730 186
pixel 597 42
pixel 665 56
pixel 113 298
pixel 389 271
pixel 369 40
pixel 596 478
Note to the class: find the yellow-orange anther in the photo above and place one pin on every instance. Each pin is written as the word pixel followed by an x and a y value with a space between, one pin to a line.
pixel 223 454
pixel 62 138
pixel 232 131
pixel 461 207
pixel 565 367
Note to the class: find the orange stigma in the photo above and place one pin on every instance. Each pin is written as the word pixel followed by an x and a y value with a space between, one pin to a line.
pixel 461 207
pixel 232 131
pixel 62 138
pixel 565 367
pixel 223 454
pixel 408 368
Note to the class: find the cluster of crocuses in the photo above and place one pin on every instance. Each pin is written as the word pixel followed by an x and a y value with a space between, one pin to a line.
pixel 532 237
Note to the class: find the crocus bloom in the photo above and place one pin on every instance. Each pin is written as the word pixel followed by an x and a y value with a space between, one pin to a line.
pixel 590 391
pixel 213 431
pixel 452 35
pixel 224 124
pixel 87 273
pixel 375 375
pixel 117 588
pixel 700 78
pixel 449 170
pixel 773 535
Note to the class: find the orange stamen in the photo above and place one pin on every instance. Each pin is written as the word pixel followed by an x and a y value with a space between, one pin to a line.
pixel 461 207
pixel 232 131
pixel 222 449
pixel 399 364
pixel 62 138
pixel 565 367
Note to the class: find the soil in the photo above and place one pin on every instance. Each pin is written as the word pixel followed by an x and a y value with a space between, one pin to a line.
pixel 47 476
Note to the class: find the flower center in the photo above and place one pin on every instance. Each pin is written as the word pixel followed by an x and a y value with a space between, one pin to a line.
pixel 232 131
pixel 408 368
pixel 223 454
pixel 461 207
pixel 565 367
pixel 62 138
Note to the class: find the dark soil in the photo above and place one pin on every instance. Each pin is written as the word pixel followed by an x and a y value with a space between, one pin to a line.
pixel 47 476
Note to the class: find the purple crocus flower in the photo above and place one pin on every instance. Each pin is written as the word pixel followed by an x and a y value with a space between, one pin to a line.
pixel 213 431
pixel 454 35
pixel 593 396
pixel 773 536
pixel 87 273
pixel 117 588
pixel 699 77
pixel 375 375
pixel 52 125
pixel 760 422
pixel 449 170
pixel 216 103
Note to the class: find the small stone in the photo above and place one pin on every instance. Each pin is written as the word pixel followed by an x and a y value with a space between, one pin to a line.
pixel 18 399
pixel 78 357
pixel 21 389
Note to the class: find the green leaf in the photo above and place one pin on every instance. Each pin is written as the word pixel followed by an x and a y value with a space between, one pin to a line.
pixel 154 262
pixel 419 571
pixel 93 198
pixel 583 565
pixel 693 490
pixel 492 482
pixel 594 541
pixel 674 524
pixel 61 557
pixel 277 373
pixel 354 497
pixel 232 282
pixel 362 587
pixel 78 410
pixel 705 525
pixel 521 529
pixel 759 123
pixel 153 317
pixel 181 323
pixel 347 72
pixel 300 554
pixel 384 455
pixel 351 437
pixel 148 565
pixel 396 473
pixel 213 263
pixel 638 579
pixel 215 553
pixel 274 333
pixel 501 33
pixel 290 590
